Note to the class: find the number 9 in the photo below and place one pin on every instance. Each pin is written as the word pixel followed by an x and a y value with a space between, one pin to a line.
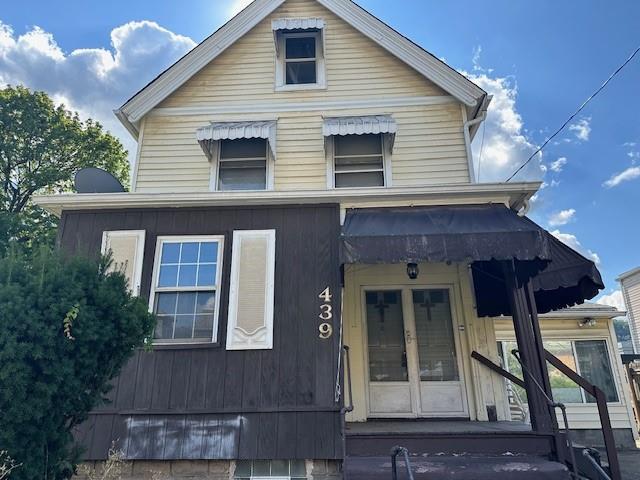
pixel 326 330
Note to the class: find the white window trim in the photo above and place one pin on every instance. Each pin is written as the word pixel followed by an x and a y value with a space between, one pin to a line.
pixel 217 288
pixel 233 289
pixel 215 164
pixel 140 235
pixel 331 166
pixel 280 63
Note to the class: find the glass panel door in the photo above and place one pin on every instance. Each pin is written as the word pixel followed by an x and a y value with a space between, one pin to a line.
pixel 385 329
pixel 434 330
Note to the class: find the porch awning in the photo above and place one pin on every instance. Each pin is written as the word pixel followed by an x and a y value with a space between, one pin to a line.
pixel 483 236
pixel 368 124
pixel 216 131
pixel 297 23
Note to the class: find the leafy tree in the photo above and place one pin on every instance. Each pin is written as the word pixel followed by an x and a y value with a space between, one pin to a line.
pixel 41 147
pixel 66 329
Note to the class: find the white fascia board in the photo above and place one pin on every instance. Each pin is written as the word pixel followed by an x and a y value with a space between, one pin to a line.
pixel 630 273
pixel 583 313
pixel 419 59
pixel 416 57
pixel 511 194
pixel 181 71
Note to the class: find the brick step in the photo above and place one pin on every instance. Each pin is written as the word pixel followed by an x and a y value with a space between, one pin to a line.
pixel 458 467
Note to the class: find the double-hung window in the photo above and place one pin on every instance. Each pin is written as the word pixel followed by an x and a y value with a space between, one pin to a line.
pixel 300 62
pixel 186 289
pixel 243 164
pixel 358 161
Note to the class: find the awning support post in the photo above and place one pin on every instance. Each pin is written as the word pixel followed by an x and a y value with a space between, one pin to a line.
pixel 530 349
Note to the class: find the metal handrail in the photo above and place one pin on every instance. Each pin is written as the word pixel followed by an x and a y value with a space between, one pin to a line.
pixel 552 404
pixel 586 454
pixel 395 451
pixel 603 412
pixel 511 377
pixel 347 362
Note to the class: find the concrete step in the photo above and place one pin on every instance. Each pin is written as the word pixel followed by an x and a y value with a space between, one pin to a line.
pixel 458 467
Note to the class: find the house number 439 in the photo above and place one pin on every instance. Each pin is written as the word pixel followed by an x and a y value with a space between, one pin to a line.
pixel 326 314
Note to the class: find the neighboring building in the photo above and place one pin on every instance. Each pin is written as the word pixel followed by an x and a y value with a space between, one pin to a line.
pixel 630 283
pixel 583 337
pixel 304 181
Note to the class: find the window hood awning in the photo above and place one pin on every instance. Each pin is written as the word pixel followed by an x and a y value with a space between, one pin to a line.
pixel 297 23
pixel 483 236
pixel 359 125
pixel 207 136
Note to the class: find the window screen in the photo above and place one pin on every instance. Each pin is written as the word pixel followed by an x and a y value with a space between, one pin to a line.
pixel 243 164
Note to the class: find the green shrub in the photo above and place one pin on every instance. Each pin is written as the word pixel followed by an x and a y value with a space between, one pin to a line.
pixel 67 327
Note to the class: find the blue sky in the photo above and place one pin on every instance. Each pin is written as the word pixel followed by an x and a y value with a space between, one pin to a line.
pixel 540 60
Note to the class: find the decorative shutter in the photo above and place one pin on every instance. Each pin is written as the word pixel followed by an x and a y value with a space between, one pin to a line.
pixel 127 251
pixel 250 324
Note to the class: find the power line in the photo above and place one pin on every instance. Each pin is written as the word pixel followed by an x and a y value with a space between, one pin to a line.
pixel 584 104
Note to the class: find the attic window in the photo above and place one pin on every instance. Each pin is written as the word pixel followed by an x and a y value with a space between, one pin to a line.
pixel 299 53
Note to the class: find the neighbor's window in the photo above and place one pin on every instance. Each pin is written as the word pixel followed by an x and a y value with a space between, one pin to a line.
pixel 358 161
pixel 282 469
pixel 589 358
pixel 243 164
pixel 186 287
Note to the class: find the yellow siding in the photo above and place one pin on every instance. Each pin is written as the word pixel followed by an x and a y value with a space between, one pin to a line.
pixel 429 148
pixel 584 416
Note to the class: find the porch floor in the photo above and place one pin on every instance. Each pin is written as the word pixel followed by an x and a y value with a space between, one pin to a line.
pixel 431 426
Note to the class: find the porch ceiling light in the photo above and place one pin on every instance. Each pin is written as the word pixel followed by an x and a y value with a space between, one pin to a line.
pixel 412 270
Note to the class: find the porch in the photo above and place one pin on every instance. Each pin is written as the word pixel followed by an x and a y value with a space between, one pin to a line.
pixel 421 285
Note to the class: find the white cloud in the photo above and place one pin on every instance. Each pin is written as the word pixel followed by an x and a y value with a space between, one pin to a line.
pixel 630 173
pixel 558 165
pixel 506 145
pixel 92 81
pixel 582 128
pixel 615 299
pixel 562 217
pixel 237 6
pixel 572 241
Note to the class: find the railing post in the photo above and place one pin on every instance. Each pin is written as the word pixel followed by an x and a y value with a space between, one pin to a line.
pixel 542 418
pixel 607 432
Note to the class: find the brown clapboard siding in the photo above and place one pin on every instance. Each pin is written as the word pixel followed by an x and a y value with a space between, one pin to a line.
pixel 195 402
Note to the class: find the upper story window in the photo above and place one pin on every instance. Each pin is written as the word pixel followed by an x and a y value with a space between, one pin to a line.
pixel 299 53
pixel 359 151
pixel 186 289
pixel 358 161
pixel 243 164
pixel 241 154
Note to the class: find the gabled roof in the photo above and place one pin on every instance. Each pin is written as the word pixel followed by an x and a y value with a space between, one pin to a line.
pixel 630 273
pixel 413 55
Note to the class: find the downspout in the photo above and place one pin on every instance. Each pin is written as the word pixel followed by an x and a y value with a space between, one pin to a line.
pixel 481 116
pixel 467 141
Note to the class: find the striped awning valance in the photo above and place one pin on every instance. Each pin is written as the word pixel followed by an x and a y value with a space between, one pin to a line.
pixel 208 135
pixel 297 23
pixel 370 124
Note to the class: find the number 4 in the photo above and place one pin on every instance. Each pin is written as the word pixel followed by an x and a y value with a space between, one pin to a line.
pixel 326 295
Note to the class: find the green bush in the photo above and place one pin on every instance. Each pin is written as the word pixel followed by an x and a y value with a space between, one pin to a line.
pixel 67 327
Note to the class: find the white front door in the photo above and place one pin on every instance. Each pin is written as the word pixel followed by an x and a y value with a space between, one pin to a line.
pixel 412 345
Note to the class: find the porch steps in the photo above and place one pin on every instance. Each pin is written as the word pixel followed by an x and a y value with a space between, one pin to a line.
pixel 458 467
pixel 434 443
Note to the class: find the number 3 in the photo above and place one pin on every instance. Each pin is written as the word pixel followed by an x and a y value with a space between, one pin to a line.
pixel 326 312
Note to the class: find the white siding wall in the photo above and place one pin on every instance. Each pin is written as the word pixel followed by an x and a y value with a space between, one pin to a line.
pixel 429 147
pixel 631 293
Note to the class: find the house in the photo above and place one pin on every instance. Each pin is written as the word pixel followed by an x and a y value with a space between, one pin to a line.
pixel 584 338
pixel 630 285
pixel 304 183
